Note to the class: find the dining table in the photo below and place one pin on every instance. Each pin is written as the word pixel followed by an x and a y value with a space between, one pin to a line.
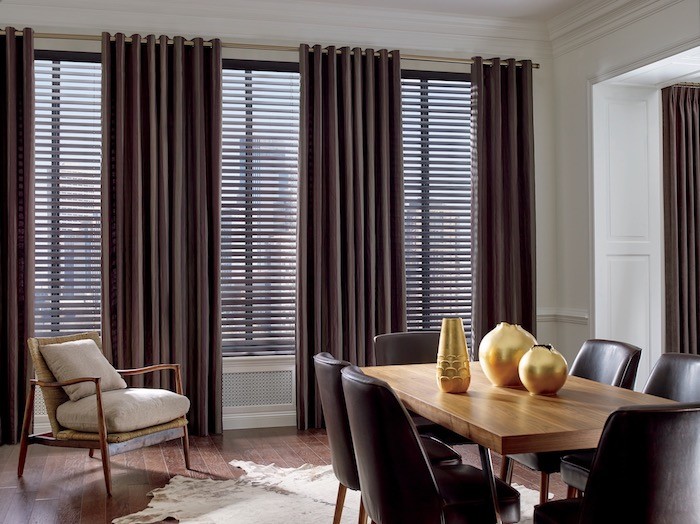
pixel 510 420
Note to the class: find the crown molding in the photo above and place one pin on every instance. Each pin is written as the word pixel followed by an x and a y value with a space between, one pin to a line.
pixel 590 21
pixel 282 23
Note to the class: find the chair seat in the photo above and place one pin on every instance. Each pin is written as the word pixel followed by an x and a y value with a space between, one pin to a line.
pixel 432 429
pixel 125 410
pixel 576 467
pixel 465 491
pixel 546 462
pixel 440 454
pixel 559 512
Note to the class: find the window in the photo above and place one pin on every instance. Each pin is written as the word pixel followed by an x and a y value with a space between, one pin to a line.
pixel 437 182
pixel 68 142
pixel 259 206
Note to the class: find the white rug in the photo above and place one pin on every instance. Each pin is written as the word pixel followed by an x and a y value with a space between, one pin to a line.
pixel 264 495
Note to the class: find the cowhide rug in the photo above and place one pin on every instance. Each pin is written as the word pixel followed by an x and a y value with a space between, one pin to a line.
pixel 265 494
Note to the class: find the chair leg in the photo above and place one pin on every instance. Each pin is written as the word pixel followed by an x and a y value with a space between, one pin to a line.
pixel 186 446
pixel 24 440
pixel 362 519
pixel 507 469
pixel 544 487
pixel 91 453
pixel 104 452
pixel 340 500
pixel 572 492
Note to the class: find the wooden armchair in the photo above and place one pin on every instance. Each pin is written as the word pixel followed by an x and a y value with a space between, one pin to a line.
pixel 108 442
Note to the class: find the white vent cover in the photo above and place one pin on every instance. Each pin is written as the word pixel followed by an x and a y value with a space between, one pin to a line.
pixel 258 388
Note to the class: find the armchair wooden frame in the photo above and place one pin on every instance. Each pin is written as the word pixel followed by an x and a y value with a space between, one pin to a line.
pixel 108 443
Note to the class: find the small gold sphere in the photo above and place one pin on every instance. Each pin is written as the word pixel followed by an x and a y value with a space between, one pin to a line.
pixel 500 352
pixel 543 370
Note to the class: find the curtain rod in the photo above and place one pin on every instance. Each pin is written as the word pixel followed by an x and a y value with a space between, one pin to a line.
pixel 262 47
pixel 687 84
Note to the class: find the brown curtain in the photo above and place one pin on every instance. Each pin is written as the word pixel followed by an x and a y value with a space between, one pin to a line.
pixel 16 225
pixel 350 268
pixel 161 191
pixel 503 197
pixel 681 180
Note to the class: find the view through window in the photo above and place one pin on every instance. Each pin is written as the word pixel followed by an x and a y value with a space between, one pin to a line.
pixel 68 141
pixel 437 181
pixel 259 208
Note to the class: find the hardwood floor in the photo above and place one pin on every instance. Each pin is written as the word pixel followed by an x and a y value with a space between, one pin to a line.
pixel 66 486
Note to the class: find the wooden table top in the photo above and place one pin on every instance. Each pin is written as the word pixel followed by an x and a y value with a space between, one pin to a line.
pixel 509 420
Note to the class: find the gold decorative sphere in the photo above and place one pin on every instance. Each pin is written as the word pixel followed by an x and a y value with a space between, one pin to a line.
pixel 453 374
pixel 543 370
pixel 500 352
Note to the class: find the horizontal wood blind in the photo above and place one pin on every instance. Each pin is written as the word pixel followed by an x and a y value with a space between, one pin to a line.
pixel 437 167
pixel 68 141
pixel 259 210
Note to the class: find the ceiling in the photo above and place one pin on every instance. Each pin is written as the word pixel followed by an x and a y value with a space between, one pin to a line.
pixel 683 67
pixel 532 10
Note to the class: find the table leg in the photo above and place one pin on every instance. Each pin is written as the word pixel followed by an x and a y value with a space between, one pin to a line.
pixel 487 468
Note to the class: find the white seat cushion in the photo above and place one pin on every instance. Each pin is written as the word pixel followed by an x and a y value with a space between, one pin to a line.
pixel 125 410
pixel 78 359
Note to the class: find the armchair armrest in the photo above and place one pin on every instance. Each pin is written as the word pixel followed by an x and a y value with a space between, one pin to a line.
pixel 41 383
pixel 157 367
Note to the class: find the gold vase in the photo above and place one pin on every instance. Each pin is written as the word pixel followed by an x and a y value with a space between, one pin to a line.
pixel 500 352
pixel 453 375
pixel 543 370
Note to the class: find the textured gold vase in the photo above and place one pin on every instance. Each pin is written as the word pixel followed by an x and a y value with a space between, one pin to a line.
pixel 453 375
pixel 500 352
pixel 543 370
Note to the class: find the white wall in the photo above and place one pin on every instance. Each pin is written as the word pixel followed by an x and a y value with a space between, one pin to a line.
pixel 589 48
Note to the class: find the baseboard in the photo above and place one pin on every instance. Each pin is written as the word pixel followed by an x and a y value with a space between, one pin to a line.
pixel 259 420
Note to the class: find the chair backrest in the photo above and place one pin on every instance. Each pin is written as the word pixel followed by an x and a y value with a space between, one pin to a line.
pixel 53 397
pixel 675 376
pixel 608 362
pixel 411 347
pixel 396 479
pixel 646 467
pixel 335 413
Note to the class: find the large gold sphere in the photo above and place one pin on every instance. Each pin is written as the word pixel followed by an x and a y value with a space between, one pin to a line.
pixel 453 374
pixel 543 370
pixel 500 352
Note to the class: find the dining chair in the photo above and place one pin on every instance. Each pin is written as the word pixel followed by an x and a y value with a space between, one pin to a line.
pixel 398 482
pixel 605 361
pixel 343 460
pixel 415 347
pixel 90 406
pixel 644 471
pixel 675 376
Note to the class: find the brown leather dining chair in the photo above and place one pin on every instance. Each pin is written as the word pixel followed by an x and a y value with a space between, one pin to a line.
pixel 605 361
pixel 675 376
pixel 328 370
pixel 399 485
pixel 415 347
pixel 644 471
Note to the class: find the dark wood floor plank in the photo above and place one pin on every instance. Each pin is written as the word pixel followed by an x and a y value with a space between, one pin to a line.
pixel 68 486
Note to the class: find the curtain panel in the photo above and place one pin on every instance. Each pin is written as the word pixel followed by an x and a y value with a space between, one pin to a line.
pixel 503 197
pixel 16 225
pixel 161 191
pixel 681 188
pixel 350 258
